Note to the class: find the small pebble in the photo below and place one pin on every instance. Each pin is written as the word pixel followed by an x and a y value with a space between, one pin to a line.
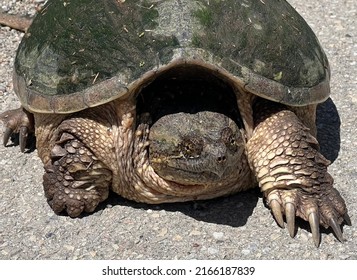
pixel 218 235
pixel 245 252
pixel 69 247
pixel 177 238
pixel 212 251
pixel 195 233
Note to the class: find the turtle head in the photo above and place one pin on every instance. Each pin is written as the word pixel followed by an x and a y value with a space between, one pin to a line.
pixel 195 149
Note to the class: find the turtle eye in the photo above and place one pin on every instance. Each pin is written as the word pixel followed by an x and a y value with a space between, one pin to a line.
pixel 191 146
pixel 229 138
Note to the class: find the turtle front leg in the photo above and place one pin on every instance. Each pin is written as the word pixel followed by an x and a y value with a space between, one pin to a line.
pixel 76 180
pixel 292 173
pixel 17 121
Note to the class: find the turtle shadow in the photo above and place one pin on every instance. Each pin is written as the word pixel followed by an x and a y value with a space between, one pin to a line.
pixel 233 210
pixel 328 124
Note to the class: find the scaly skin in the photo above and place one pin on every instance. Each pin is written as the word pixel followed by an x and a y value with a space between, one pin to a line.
pixel 291 172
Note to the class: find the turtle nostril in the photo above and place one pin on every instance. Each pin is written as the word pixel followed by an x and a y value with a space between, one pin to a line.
pixel 221 159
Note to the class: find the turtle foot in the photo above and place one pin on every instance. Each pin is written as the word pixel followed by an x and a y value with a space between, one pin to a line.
pixel 75 180
pixel 18 121
pixel 324 208
pixel 293 175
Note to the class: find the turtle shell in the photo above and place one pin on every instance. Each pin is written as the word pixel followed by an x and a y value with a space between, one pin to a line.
pixel 83 53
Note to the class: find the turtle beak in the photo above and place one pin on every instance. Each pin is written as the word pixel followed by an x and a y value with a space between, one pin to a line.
pixel 216 159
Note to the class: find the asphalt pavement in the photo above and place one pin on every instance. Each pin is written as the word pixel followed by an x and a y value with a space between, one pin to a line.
pixel 236 227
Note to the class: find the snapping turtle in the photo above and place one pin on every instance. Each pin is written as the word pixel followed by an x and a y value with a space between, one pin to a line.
pixel 167 101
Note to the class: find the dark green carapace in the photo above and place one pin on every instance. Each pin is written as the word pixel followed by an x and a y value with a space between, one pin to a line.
pixel 96 50
pixel 72 45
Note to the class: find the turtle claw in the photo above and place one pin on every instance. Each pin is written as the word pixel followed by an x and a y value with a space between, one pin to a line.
pixel 23 135
pixel 315 227
pixel 290 218
pixel 291 204
pixel 7 135
pixel 277 213
pixel 347 219
pixel 336 229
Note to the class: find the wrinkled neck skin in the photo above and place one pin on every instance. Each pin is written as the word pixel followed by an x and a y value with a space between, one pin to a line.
pixel 181 157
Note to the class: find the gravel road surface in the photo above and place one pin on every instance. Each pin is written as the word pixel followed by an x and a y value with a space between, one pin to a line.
pixel 237 227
